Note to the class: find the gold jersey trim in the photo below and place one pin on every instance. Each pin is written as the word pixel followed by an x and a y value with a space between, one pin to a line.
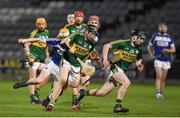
pixel 79 49
pixel 126 56
pixel 39 44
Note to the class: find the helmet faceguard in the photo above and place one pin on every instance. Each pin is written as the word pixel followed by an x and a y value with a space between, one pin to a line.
pixel 92 28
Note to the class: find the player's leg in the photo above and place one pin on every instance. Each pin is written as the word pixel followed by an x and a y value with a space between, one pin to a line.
pixel 158 70
pixel 163 80
pixel 44 76
pixel 57 87
pixel 74 82
pixel 104 90
pixel 158 82
pixel 32 74
pixel 166 66
pixel 121 77
pixel 39 86
pixel 83 79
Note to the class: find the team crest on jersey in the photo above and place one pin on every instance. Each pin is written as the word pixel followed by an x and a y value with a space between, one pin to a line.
pixel 137 51
pixel 131 51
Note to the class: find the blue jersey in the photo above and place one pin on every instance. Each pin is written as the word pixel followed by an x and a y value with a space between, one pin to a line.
pixel 160 42
pixel 56 58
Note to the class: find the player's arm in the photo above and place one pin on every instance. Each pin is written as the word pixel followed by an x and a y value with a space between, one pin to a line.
pixel 68 41
pixel 150 50
pixel 150 47
pixel 170 50
pixel 29 40
pixel 139 65
pixel 47 54
pixel 106 48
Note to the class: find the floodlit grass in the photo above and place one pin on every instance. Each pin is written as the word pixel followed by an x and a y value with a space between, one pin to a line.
pixel 140 98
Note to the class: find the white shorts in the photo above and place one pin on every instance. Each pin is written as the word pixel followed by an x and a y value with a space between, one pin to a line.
pixel 111 73
pixel 165 65
pixel 74 71
pixel 53 70
pixel 36 65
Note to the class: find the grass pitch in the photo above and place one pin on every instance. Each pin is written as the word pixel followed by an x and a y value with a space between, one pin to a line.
pixel 140 98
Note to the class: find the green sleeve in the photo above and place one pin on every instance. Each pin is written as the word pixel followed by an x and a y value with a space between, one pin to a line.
pixel 33 33
pixel 117 44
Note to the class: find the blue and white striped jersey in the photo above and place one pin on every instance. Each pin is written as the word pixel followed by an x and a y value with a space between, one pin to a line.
pixel 160 42
pixel 56 58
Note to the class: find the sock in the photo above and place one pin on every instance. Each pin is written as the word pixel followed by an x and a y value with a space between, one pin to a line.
pixel 118 101
pixel 86 93
pixel 73 97
pixel 82 93
pixel 32 96
pixel 158 91
pixel 52 101
pixel 36 94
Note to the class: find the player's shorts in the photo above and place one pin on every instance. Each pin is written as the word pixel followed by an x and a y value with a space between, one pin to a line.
pixel 114 70
pixel 165 65
pixel 36 65
pixel 53 70
pixel 74 71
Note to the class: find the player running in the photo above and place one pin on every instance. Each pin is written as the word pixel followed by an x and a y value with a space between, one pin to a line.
pixel 52 68
pixel 127 52
pixel 163 45
pixel 40 53
pixel 81 44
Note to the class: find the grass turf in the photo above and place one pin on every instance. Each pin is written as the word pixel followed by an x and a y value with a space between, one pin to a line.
pixel 140 98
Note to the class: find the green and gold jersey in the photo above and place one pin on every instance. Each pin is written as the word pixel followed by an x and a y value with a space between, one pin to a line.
pixel 38 48
pixel 127 53
pixel 81 47
pixel 73 28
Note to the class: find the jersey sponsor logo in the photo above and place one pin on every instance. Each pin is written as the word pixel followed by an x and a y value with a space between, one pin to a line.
pixel 40 44
pixel 162 43
pixel 126 56
pixel 160 38
pixel 79 49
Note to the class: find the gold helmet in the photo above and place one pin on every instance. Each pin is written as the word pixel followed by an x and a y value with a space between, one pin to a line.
pixel 41 20
pixel 63 32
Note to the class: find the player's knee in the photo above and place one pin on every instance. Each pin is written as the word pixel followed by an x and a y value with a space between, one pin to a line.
pixel 39 80
pixel 127 83
pixel 63 81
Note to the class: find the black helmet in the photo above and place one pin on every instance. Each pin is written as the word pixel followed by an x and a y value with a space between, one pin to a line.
pixel 137 32
pixel 92 28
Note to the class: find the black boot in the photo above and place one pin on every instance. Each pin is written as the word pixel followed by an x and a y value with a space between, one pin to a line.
pixel 119 108
pixel 20 84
